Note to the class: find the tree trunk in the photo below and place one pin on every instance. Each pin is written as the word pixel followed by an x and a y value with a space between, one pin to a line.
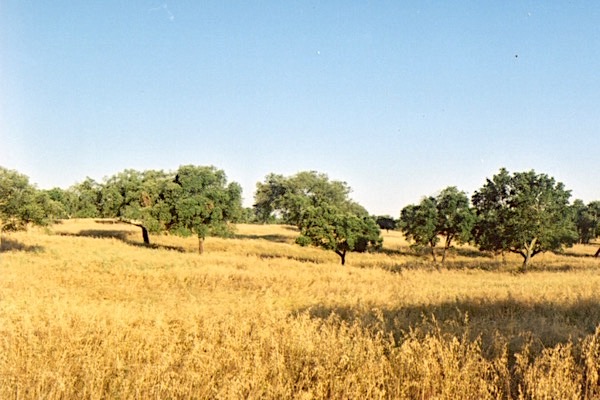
pixel 145 235
pixel 433 252
pixel 444 256
pixel 342 255
pixel 446 247
pixel 527 254
pixel 200 245
pixel 437 266
pixel 597 253
pixel 526 260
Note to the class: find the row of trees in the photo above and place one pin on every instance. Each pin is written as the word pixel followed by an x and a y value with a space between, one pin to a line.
pixel 191 201
pixel 198 201
pixel 525 213
pixel 321 209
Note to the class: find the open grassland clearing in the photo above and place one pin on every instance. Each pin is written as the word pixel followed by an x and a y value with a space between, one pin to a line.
pixel 86 311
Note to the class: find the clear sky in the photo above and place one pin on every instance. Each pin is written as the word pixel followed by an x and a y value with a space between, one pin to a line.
pixel 399 99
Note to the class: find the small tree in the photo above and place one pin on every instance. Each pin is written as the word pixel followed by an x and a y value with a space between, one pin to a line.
pixel 53 210
pixel 524 213
pixel 447 215
pixel 386 222
pixel 138 198
pixel 86 199
pixel 204 203
pixel 455 218
pixel 321 209
pixel 330 228
pixel 419 224
pixel 587 218
pixel 63 202
pixel 20 203
pixel 268 196
pixel 288 197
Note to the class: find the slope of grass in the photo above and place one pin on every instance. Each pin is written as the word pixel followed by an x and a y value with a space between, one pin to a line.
pixel 86 311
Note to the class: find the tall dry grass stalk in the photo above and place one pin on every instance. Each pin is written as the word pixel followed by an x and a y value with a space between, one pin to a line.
pixel 87 312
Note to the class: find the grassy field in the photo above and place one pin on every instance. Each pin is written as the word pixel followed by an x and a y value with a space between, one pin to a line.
pixel 88 312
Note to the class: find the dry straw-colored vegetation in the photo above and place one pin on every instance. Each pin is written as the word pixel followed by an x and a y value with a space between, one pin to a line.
pixel 87 312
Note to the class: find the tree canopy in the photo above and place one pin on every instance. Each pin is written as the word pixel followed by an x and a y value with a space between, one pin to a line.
pixel 587 220
pixel 418 223
pixel 205 203
pixel 455 217
pixel 193 200
pixel 321 209
pixel 525 213
pixel 331 228
pixel 142 199
pixel 447 215
pixel 386 222
pixel 86 199
pixel 21 203
pixel 288 197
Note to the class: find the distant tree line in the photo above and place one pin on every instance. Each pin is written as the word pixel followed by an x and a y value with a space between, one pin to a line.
pixel 190 201
pixel 524 213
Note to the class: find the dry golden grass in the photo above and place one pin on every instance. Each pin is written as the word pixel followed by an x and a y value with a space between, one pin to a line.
pixel 87 312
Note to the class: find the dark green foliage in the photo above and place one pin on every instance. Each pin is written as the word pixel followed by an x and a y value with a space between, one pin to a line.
pixel 144 199
pixel 53 210
pixel 64 202
pixel 587 220
pixel 386 222
pixel 247 216
pixel 455 217
pixel 525 213
pixel 21 203
pixel 330 228
pixel 268 197
pixel 86 199
pixel 287 197
pixel 418 223
pixel 321 209
pixel 204 203
pixel 448 215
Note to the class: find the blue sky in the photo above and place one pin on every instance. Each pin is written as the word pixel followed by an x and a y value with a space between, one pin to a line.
pixel 398 99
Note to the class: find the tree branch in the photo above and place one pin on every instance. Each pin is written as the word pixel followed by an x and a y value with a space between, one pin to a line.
pixel 517 251
pixel 537 251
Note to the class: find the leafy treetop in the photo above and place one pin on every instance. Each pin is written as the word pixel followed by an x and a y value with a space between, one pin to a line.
pixel 331 228
pixel 525 213
pixel 204 203
pixel 321 209
pixel 447 215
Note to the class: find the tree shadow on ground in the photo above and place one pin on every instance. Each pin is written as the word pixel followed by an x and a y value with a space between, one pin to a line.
pixel 471 253
pixel 14 245
pixel 121 235
pixel 571 253
pixel 312 260
pixel 271 238
pixel 426 252
pixel 508 321
pixel 402 251
pixel 104 234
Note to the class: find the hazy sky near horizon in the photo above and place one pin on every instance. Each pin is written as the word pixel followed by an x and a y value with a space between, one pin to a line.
pixel 399 99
